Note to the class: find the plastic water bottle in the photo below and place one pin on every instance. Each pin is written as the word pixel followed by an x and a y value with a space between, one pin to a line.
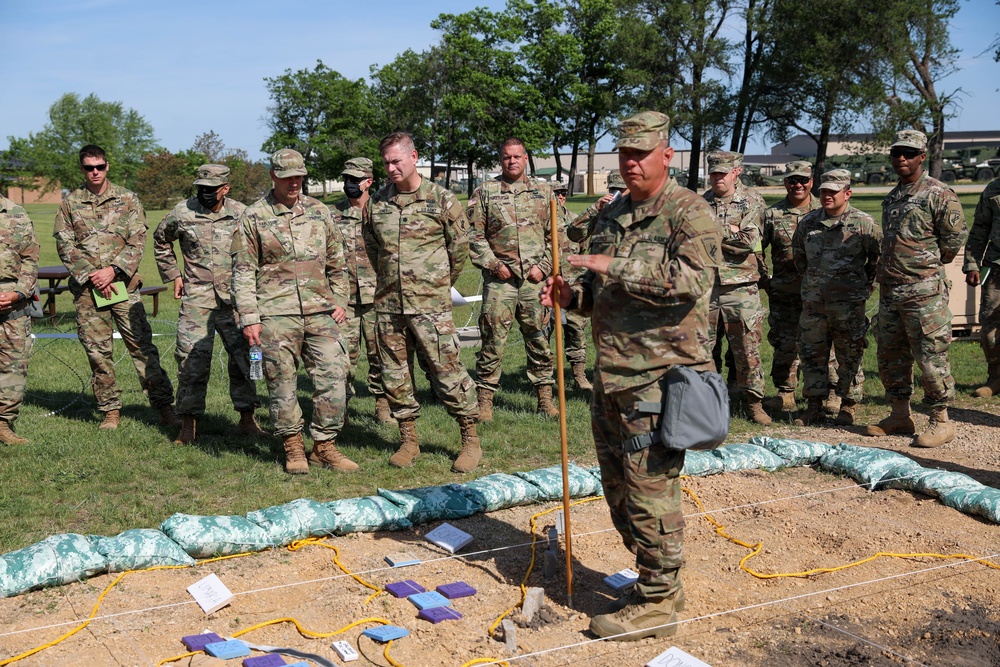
pixel 256 363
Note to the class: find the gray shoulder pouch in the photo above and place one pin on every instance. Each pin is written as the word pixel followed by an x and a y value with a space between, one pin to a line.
pixel 694 414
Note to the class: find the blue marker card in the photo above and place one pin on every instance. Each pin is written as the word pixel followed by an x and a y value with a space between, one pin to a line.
pixel 227 650
pixel 269 660
pixel 622 580
pixel 459 589
pixel 429 600
pixel 438 614
pixel 198 642
pixel 405 588
pixel 401 559
pixel 384 633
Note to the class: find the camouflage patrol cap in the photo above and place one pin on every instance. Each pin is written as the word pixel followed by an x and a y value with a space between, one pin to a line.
pixel 723 162
pixel 910 139
pixel 643 131
pixel 359 167
pixel 560 185
pixel 616 182
pixel 213 175
pixel 799 168
pixel 835 180
pixel 287 162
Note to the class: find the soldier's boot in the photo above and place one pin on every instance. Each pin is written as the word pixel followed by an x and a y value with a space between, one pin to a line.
pixel 832 404
pixel 814 413
pixel 543 393
pixel 485 397
pixel 940 432
pixel 326 454
pixel 295 455
pixel 248 425
pixel 848 408
pixel 188 430
pixel 788 401
pixel 580 376
pixel 899 420
pixel 382 412
pixel 755 407
pixel 111 420
pixel 168 417
pixel 632 597
pixel 641 619
pixel 471 454
pixel 409 448
pixel 8 437
pixel 991 388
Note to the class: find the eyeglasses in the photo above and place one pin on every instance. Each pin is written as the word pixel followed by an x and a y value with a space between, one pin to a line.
pixel 91 167
pixel 908 153
pixel 797 180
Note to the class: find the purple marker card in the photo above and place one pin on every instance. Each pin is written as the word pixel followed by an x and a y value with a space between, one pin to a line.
pixel 198 642
pixel 269 660
pixel 459 589
pixel 405 588
pixel 437 614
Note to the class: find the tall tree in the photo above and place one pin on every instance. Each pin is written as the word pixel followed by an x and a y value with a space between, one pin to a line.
pixel 163 180
pixel 757 22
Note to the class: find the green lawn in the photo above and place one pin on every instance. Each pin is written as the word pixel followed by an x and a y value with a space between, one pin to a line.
pixel 75 478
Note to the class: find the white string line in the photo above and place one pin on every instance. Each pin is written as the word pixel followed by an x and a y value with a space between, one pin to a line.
pixel 850 634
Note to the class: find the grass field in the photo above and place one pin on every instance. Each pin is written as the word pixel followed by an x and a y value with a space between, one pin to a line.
pixel 75 478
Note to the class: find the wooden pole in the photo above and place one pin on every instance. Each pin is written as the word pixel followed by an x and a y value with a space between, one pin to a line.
pixel 561 384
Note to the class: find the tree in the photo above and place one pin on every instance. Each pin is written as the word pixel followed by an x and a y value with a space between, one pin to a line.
pixel 164 179
pixel 52 153
pixel 248 180
pixel 757 21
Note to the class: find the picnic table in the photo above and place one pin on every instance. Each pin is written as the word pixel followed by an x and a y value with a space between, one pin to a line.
pixel 55 275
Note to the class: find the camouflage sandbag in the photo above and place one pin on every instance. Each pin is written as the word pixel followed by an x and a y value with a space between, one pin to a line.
pixel 207 536
pixel 499 491
pixel 904 475
pixel 952 488
pixel 367 515
pixel 549 481
pixel 596 472
pixel 295 520
pixel 794 452
pixel 988 504
pixel 432 503
pixel 701 464
pixel 141 548
pixel 747 457
pixel 963 498
pixel 865 465
pixel 59 559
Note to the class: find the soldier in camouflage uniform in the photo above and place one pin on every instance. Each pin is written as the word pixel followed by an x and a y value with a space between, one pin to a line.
pixel 510 241
pixel 982 266
pixel 205 225
pixel 100 234
pixel 836 250
pixel 18 275
pixel 290 289
pixel 923 229
pixel 575 326
pixel 736 297
pixel 417 239
pixel 349 214
pixel 651 266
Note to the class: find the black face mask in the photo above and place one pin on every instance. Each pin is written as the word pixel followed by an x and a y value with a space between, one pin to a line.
pixel 208 196
pixel 352 190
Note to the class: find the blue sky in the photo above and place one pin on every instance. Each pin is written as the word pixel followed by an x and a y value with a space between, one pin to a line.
pixel 190 67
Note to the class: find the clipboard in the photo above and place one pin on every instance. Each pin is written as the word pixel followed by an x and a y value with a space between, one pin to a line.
pixel 101 302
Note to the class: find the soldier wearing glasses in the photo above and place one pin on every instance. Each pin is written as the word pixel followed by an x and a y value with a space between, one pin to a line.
pixel 923 229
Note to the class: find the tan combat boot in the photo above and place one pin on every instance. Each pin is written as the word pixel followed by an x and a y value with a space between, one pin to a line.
pixel 580 376
pixel 814 414
pixel 248 425
pixel 409 448
pixel 845 417
pixel 940 432
pixel 832 404
pixel 8 437
pixel 111 420
pixel 471 453
pixel 755 406
pixel 382 411
pixel 485 404
pixel 545 406
pixel 991 388
pixel 188 426
pixel 788 401
pixel 326 454
pixel 632 597
pixel 899 420
pixel 641 619
pixel 168 417
pixel 295 455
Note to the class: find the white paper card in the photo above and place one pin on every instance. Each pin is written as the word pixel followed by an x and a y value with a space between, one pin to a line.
pixel 674 657
pixel 210 594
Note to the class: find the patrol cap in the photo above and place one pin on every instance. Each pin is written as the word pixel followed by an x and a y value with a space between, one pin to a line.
pixel 643 131
pixel 287 162
pixel 799 168
pixel 910 139
pixel 359 167
pixel 212 175
pixel 723 162
pixel 615 181
pixel 560 185
pixel 835 180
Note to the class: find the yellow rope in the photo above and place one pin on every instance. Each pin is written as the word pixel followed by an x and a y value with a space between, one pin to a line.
pixel 320 542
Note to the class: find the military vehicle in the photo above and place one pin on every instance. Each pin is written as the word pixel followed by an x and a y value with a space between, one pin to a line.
pixel 977 163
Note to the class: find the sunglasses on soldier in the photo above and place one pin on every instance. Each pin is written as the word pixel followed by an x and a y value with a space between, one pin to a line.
pixel 91 167
pixel 797 180
pixel 908 153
